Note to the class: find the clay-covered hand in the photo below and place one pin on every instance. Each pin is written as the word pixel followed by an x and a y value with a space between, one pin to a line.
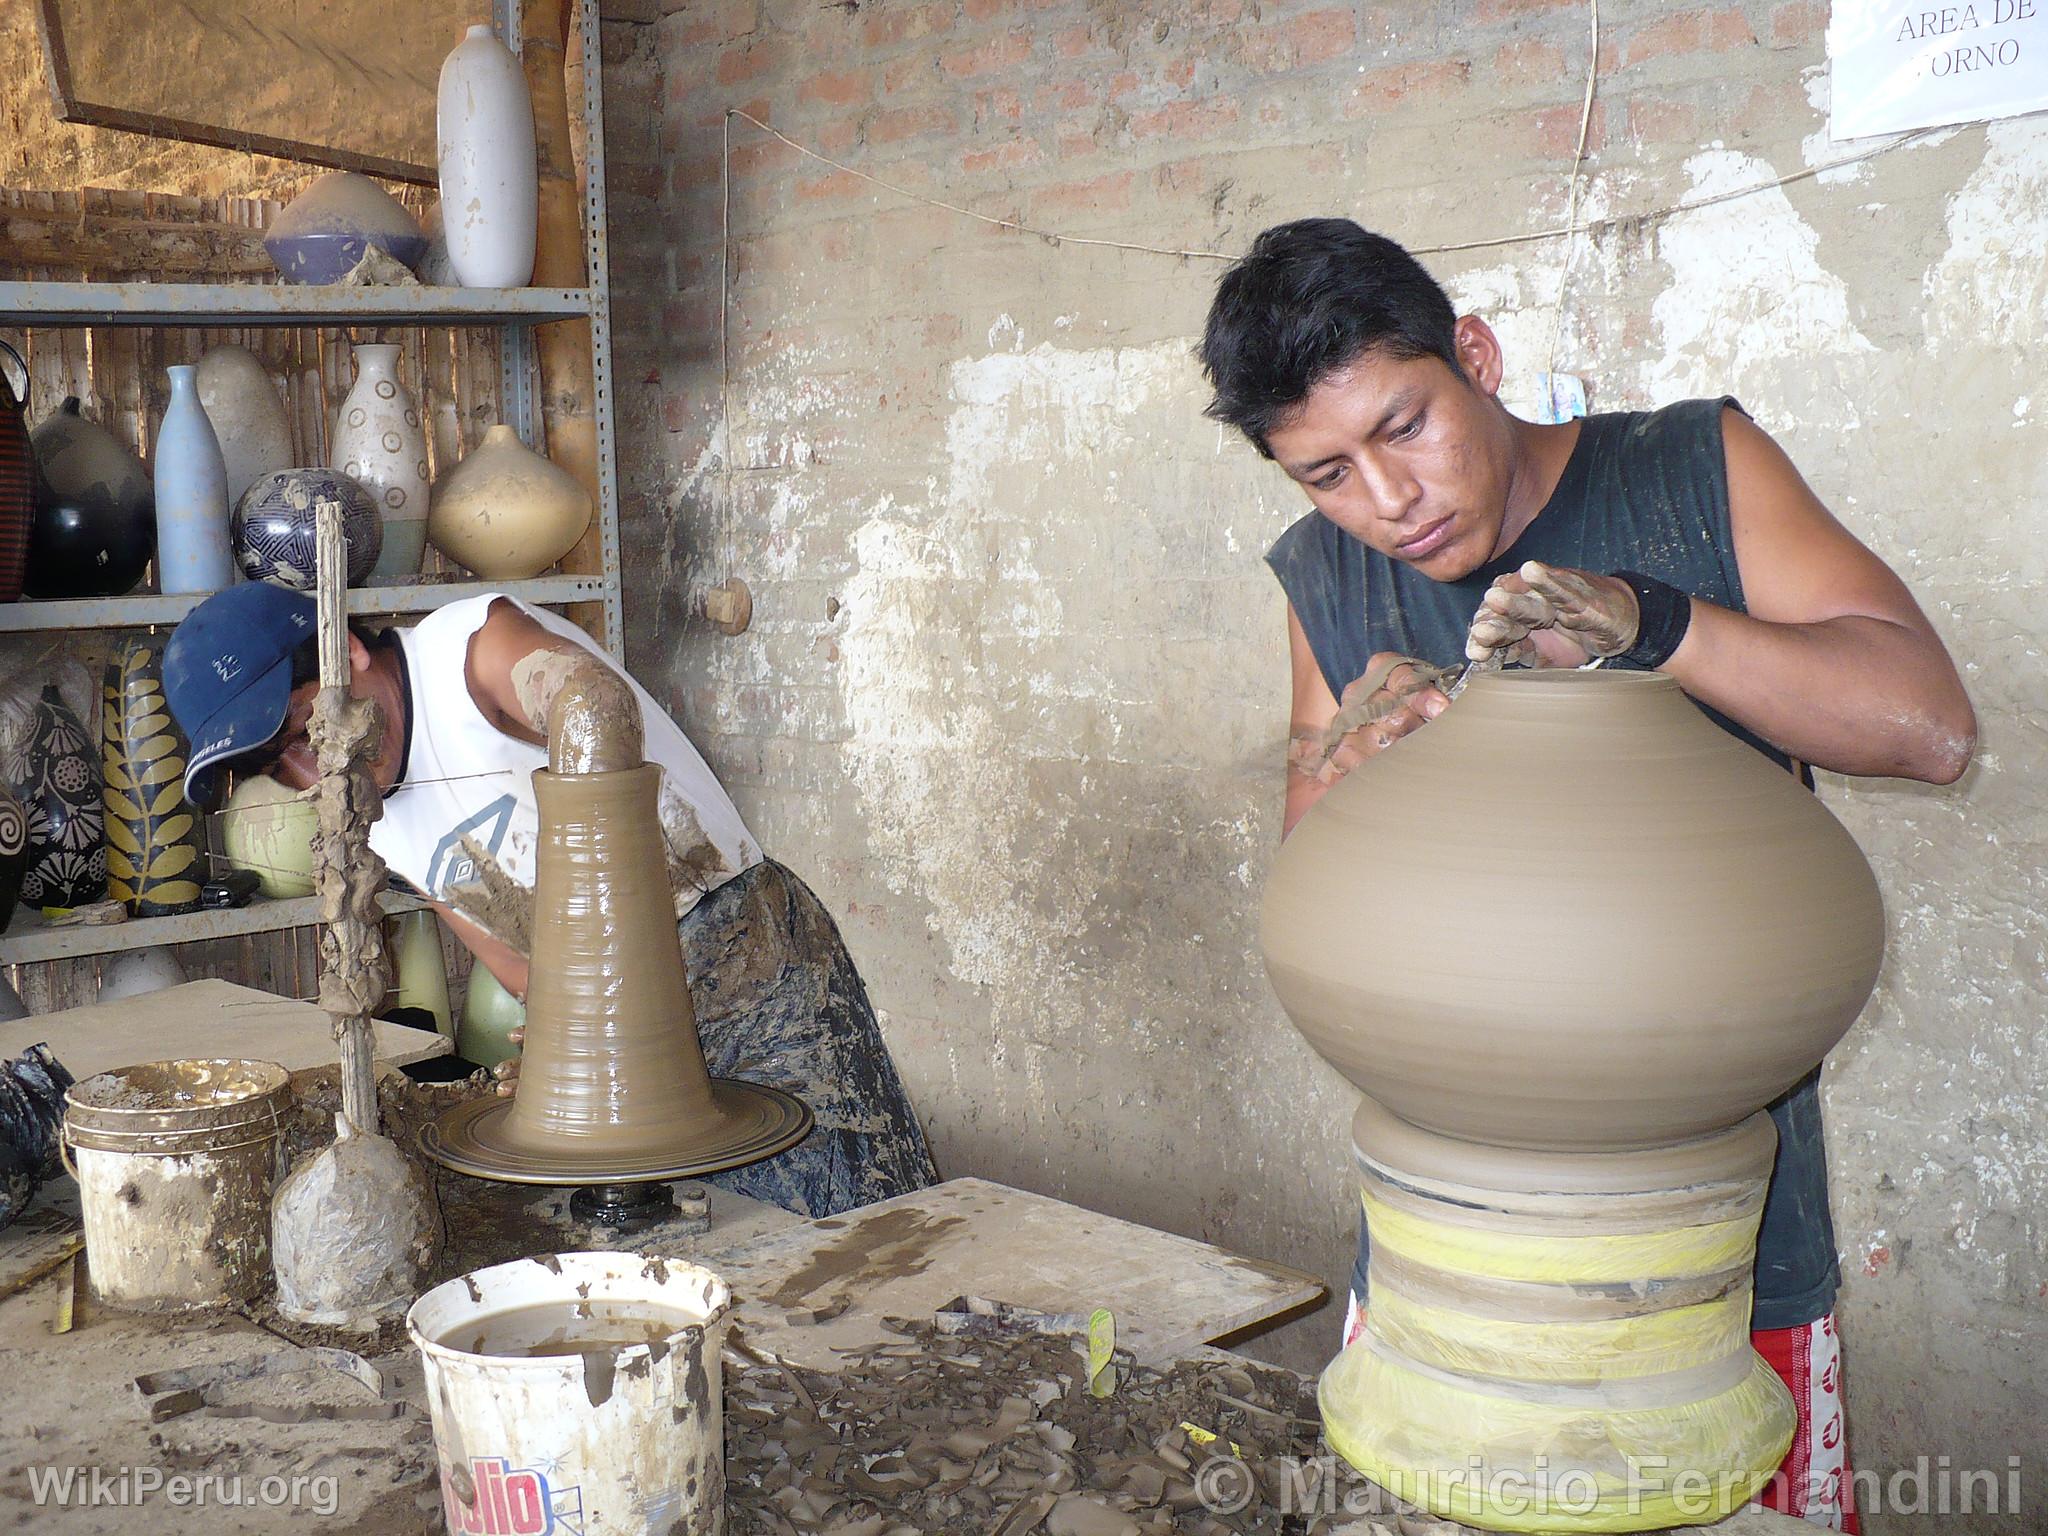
pixel 1548 615
pixel 1397 694
pixel 506 1072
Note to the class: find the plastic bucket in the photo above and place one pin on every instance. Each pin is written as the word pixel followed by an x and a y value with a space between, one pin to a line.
pixel 175 1162
pixel 578 1391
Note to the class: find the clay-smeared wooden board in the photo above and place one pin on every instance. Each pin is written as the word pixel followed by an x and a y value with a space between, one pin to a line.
pixel 198 1020
pixel 908 1256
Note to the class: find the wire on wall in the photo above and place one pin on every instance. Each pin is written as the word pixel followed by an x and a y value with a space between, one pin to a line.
pixel 1571 207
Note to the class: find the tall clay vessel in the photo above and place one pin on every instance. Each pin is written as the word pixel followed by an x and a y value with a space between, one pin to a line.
pixel 247 417
pixel 489 180
pixel 156 845
pixel 58 780
pixel 17 479
pixel 380 444
pixel 1638 933
pixel 191 495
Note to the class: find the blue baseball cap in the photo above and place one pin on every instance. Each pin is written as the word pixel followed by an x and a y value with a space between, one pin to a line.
pixel 228 675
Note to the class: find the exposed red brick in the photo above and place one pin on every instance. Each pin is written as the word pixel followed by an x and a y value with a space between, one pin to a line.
pixel 759 156
pixel 942 330
pixel 1422 79
pixel 898 123
pixel 1005 156
pixel 1072 42
pixel 1488 12
pixel 1297 43
pixel 1674 34
pixel 836 138
pixel 1654 119
pixel 1556 133
pixel 1101 194
pixel 896 23
pixel 1799 21
pixel 839 88
pixel 754 59
pixel 833 185
pixel 1728 30
pixel 1001 104
pixel 1063 95
pixel 984 10
pixel 1185 119
pixel 905 72
pixel 1530 61
pixel 837 244
pixel 1003 52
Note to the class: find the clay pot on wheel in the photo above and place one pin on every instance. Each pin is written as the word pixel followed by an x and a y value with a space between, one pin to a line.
pixel 1685 898
pixel 95 518
pixel 505 512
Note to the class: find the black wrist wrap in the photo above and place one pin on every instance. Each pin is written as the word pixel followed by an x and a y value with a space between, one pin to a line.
pixel 1665 613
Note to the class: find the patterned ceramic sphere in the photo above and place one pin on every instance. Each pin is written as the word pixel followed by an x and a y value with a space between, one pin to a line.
pixel 275 526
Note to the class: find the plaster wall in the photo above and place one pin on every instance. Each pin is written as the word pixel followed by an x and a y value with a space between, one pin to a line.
pixel 1014 696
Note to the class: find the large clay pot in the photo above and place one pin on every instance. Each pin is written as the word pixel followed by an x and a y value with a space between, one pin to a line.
pixel 17 479
pixel 156 848
pixel 1534 922
pixel 490 186
pixel 326 228
pixel 276 527
pixel 379 443
pixel 505 512
pixel 60 789
pixel 191 495
pixel 247 416
pixel 95 519
pixel 267 828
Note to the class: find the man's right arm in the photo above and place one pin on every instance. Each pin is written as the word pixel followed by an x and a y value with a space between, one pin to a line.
pixel 1395 695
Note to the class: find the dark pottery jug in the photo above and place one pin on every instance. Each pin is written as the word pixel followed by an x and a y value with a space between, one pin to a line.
pixel 95 510
pixel 60 788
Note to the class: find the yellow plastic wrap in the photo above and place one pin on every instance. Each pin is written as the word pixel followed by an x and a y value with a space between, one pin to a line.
pixel 1528 1380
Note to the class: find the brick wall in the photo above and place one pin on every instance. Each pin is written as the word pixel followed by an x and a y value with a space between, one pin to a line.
pixel 1014 696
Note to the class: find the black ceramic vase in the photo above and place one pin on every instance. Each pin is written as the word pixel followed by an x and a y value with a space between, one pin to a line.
pixel 60 788
pixel 95 512
pixel 13 852
pixel 155 850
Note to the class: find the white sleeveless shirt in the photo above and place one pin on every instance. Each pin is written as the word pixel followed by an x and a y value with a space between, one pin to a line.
pixel 466 778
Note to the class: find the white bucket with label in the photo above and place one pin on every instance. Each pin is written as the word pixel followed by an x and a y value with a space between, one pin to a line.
pixel 578 1391
pixel 175 1162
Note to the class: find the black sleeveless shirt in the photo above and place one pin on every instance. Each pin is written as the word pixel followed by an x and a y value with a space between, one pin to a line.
pixel 1644 491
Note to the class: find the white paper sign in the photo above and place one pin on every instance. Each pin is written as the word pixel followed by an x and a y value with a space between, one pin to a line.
pixel 1895 66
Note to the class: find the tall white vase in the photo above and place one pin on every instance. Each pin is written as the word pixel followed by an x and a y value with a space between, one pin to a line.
pixel 248 418
pixel 192 551
pixel 490 186
pixel 378 442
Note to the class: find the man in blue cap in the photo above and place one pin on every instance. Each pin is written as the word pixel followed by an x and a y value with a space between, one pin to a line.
pixel 465 698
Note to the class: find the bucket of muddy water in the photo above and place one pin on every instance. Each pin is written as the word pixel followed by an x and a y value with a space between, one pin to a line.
pixel 577 1392
pixel 175 1162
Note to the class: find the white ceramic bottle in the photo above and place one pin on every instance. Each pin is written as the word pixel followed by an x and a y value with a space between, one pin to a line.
pixel 248 418
pixel 489 182
pixel 192 551
pixel 378 442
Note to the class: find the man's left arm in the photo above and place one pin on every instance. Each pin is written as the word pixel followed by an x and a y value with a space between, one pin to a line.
pixel 1834 662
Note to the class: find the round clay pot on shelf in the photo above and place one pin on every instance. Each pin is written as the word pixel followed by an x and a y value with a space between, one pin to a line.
pixel 490 183
pixel 505 512
pixel 17 479
pixel 325 230
pixel 267 828
pixel 95 517
pixel 380 444
pixel 248 418
pixel 60 787
pixel 276 526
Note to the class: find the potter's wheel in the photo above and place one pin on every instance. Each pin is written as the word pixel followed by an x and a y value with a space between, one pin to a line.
pixel 750 1121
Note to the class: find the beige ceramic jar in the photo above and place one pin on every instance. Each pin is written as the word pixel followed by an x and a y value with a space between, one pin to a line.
pixel 505 512
pixel 1572 913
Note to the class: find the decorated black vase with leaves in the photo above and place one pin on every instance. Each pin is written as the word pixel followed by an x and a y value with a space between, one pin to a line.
pixel 155 842
pixel 60 787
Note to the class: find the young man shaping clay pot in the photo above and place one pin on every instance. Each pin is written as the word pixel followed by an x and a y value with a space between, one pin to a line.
pixel 1447 530
pixel 468 698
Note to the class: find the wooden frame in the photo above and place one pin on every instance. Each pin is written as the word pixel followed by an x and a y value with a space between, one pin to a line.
pixel 72 107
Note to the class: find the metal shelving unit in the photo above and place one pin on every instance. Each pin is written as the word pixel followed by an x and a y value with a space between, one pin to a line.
pixel 514 311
